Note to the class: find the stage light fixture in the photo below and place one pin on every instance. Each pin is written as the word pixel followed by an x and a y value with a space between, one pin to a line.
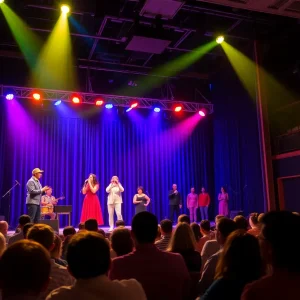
pixel 10 96
pixel 202 112
pixel 157 109
pixel 65 9
pixel 76 99
pixel 1 1
pixel 58 102
pixel 178 108
pixel 109 106
pixel 134 105
pixel 220 39
pixel 99 102
pixel 36 96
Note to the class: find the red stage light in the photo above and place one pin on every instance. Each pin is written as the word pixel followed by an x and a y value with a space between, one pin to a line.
pixel 76 99
pixel 133 105
pixel 202 113
pixel 178 108
pixel 99 102
pixel 36 96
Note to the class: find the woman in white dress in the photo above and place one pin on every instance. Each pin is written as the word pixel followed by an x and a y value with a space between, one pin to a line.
pixel 114 201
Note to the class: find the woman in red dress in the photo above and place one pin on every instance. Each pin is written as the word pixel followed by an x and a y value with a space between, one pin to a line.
pixel 91 208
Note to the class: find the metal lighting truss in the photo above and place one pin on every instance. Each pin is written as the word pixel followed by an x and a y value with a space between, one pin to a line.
pixel 116 100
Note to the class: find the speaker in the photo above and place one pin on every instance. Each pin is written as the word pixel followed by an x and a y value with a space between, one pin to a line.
pixel 51 223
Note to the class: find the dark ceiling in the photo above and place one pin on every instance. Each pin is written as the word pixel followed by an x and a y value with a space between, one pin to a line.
pixel 102 29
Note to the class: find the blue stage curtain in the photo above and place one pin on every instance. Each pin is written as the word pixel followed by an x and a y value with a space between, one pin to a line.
pixel 236 145
pixel 141 150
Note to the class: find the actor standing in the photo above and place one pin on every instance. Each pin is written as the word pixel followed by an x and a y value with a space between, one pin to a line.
pixel 114 200
pixel 34 194
pixel 192 204
pixel 223 202
pixel 204 201
pixel 140 200
pixel 174 202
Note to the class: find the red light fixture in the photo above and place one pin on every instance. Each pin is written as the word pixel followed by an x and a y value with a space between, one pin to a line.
pixel 36 96
pixel 178 108
pixel 134 104
pixel 76 99
pixel 99 102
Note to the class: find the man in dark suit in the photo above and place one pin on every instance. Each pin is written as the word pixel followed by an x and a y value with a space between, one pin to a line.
pixel 175 202
pixel 34 194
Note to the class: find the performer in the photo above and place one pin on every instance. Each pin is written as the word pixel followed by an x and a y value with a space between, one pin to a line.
pixel 114 200
pixel 34 194
pixel 223 202
pixel 140 200
pixel 204 201
pixel 49 201
pixel 175 202
pixel 91 208
pixel 192 204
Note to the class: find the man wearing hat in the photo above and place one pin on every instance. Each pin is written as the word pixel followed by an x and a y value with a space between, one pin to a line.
pixel 34 194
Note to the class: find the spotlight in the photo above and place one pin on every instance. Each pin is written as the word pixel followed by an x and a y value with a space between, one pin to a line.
pixel 58 102
pixel 99 102
pixel 9 96
pixel 220 39
pixel 109 106
pixel 134 104
pixel 65 9
pixel 157 109
pixel 1 1
pixel 178 108
pixel 203 112
pixel 36 96
pixel 76 99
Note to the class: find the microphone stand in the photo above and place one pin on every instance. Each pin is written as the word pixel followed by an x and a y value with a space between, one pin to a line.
pixel 9 201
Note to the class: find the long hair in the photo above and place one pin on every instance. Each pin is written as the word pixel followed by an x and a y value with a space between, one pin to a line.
pixel 241 258
pixel 95 181
pixel 182 239
pixel 196 231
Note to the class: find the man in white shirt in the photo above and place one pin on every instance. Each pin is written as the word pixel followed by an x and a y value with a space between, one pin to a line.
pixel 89 261
pixel 44 235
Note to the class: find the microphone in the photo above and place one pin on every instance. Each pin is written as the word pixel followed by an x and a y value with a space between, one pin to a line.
pixel 17 182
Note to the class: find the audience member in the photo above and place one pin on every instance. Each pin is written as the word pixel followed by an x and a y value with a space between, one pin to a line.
pixel 69 230
pixel 197 234
pixel 240 263
pixel 44 235
pixel 217 219
pixel 166 227
pixel 211 246
pixel 89 262
pixel 120 223
pixel 4 230
pixel 81 226
pixel 184 243
pixel 26 229
pixel 241 222
pixel 163 275
pixel 91 225
pixel 259 219
pixel 158 234
pixel 56 252
pixel 224 227
pixel 24 271
pixel 207 234
pixel 254 224
pixel 280 245
pixel 121 242
pixel 23 220
pixel 2 244
pixel 102 232
pixel 65 246
pixel 184 219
